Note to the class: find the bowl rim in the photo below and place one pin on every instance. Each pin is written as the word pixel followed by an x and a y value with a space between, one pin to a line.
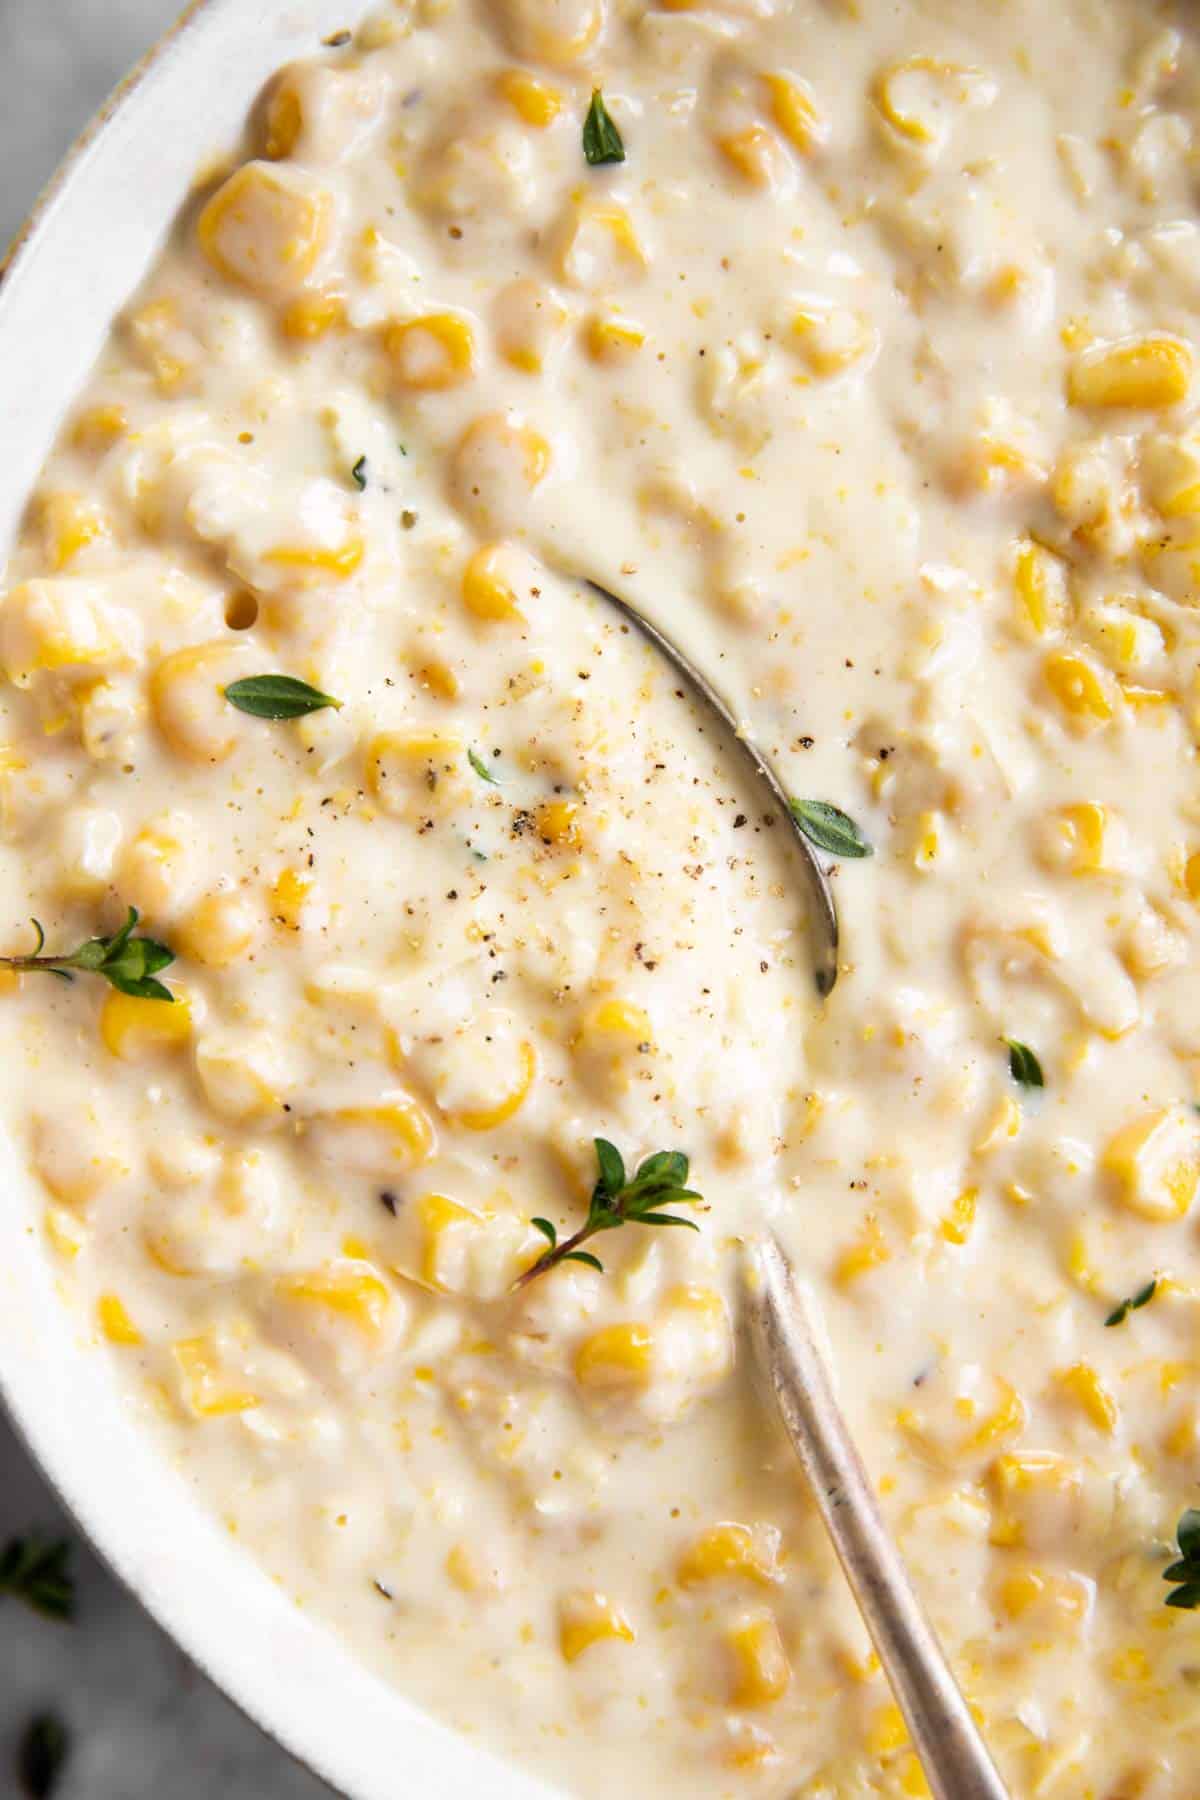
pixel 297 1681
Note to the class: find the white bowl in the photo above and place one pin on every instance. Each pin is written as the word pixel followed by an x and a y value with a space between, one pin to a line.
pixel 92 238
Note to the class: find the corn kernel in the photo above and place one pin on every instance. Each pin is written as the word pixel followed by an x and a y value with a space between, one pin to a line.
pixel 586 1618
pixel 617 1356
pixel 290 895
pixel 96 427
pixel 207 1394
pixel 310 316
pixel 795 112
pixel 486 1118
pixel 115 1322
pixel 749 152
pixel 284 120
pixel 340 561
pixel 1084 828
pixel 1010 1416
pixel 433 352
pixel 395 1136
pixel 267 228
pixel 727 1553
pixel 557 822
pixel 70 522
pixel 353 1294
pixel 868 1252
pixel 66 1231
pixel 1154 1163
pixel 886 1732
pixel 1084 692
pixel 133 1029
pixel 609 338
pixel 485 590
pixel 761 1671
pixel 1043 596
pixel 959 1222
pixel 619 1019
pixel 1082 1385
pixel 534 101
pixel 1147 373
pixel 1000 1129
pixel 218 929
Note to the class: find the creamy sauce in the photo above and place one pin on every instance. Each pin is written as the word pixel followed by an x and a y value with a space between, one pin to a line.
pixel 870 375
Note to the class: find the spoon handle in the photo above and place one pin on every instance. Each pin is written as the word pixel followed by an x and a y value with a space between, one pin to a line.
pixel 954 1757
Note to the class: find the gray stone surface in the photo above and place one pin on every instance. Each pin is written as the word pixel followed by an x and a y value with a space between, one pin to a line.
pixel 144 1724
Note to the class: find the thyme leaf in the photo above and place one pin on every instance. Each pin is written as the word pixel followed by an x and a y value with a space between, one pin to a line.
pixel 126 962
pixel 481 769
pixel 1133 1303
pixel 1023 1065
pixel 34 1569
pixel 619 1199
pixel 276 697
pixel 829 828
pixel 1186 1571
pixel 601 139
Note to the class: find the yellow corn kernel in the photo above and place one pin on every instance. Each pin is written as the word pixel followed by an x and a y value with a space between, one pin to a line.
pixel 912 1778
pixel 351 1293
pixel 1020 1591
pixel 485 591
pixel 608 337
pixel 1082 1385
pixel 218 929
pixel 557 822
pixel 1043 596
pixel 1010 1416
pixel 586 1618
pixel 188 701
pixel 115 1322
pixel 96 427
pixel 206 1392
pixel 310 316
pixel 1130 1664
pixel 1147 373
pixel 462 1567
pixel 1154 1163
pixel 438 1215
pixel 865 1254
pixel 433 352
pixel 289 896
pixel 439 679
pixel 1003 1125
pixel 888 91
pixel 1191 876
pixel 831 338
pixel 534 101
pixel 619 1019
pixel 1024 1486
pixel 266 228
pixel 284 120
pixel 795 112
pixel 1170 468
pixel 400 764
pixel 396 1135
pixel 959 1222
pixel 749 152
pixel 886 1732
pixel 486 1118
pixel 726 1553
pixel 761 1671
pixel 340 562
pixel 133 1029
pixel 1084 828
pixel 1084 692
pixel 70 522
pixel 66 1231
pixel 616 1356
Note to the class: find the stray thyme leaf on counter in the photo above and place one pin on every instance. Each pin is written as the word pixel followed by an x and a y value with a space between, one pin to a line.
pixel 829 828
pixel 34 1569
pixel 276 697
pixel 1143 1297
pixel 1023 1065
pixel 1186 1572
pixel 618 1199
pixel 481 769
pixel 601 139
pixel 42 1755
pixel 126 962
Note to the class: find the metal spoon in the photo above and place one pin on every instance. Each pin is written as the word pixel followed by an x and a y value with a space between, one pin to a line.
pixel 783 1325
pixel 822 916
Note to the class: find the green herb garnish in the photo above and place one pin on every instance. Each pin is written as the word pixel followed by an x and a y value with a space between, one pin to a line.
pixel 661 1180
pixel 601 139
pixel 481 769
pixel 829 828
pixel 128 963
pixel 276 697
pixel 34 1570
pixel 358 473
pixel 1187 1570
pixel 42 1755
pixel 1023 1065
pixel 1134 1303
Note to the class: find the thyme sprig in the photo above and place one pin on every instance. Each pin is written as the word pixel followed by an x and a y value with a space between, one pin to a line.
pixel 1186 1571
pixel 34 1569
pixel 619 1199
pixel 126 962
